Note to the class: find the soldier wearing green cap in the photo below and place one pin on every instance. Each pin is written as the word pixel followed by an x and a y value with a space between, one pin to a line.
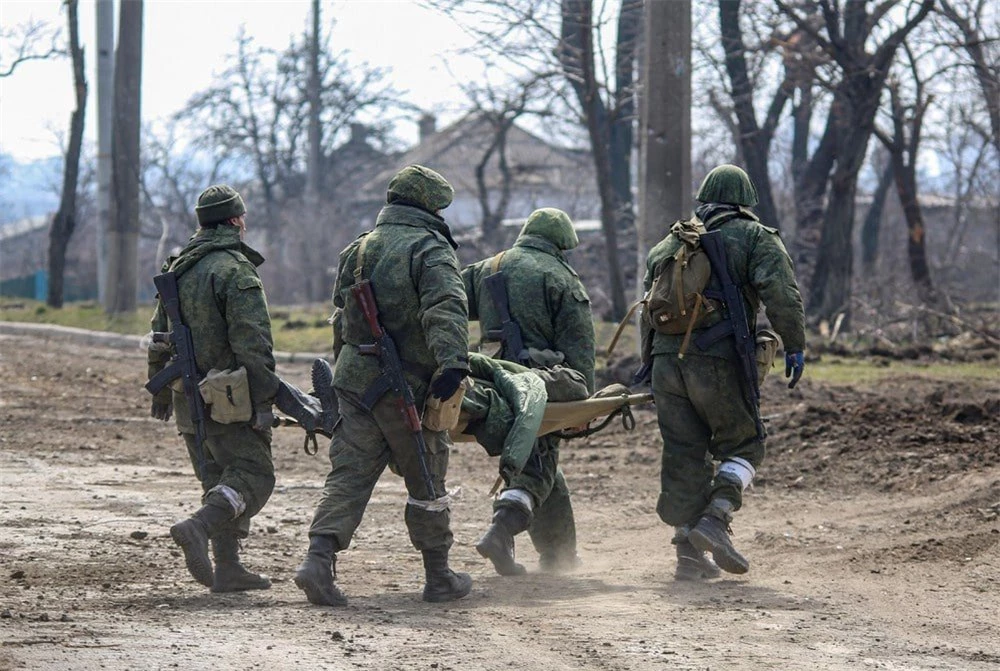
pixel 410 261
pixel 552 310
pixel 703 413
pixel 222 302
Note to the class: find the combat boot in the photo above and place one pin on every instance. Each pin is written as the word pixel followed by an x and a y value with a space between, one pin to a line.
pixel 692 563
pixel 192 536
pixel 230 574
pixel 443 584
pixel 711 534
pixel 316 574
pixel 497 544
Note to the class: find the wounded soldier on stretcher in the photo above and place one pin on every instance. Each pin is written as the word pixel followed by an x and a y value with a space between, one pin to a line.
pixel 505 408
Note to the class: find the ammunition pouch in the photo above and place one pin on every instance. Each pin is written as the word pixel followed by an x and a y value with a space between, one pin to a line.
pixel 227 393
pixel 442 415
pixel 767 349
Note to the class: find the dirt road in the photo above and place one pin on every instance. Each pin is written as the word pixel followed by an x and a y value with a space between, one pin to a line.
pixel 873 534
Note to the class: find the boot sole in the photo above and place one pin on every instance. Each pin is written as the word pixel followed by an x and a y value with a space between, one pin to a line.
pixel 245 587
pixel 501 561
pixel 316 594
pixel 198 563
pixel 725 556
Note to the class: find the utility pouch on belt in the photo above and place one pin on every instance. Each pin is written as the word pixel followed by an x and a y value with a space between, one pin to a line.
pixel 227 392
pixel 767 349
pixel 443 415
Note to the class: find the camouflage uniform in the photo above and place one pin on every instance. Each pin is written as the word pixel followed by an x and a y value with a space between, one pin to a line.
pixel 702 409
pixel 223 304
pixel 552 309
pixel 410 259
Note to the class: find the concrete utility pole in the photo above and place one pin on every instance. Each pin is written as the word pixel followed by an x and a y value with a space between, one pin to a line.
pixel 313 168
pixel 664 122
pixel 105 98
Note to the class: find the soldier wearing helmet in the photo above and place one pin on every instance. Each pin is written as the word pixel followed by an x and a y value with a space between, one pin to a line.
pixel 705 418
pixel 552 310
pixel 410 261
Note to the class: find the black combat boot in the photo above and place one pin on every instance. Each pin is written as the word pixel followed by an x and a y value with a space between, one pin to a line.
pixel 497 544
pixel 443 584
pixel 692 563
pixel 711 534
pixel 230 575
pixel 192 536
pixel 316 574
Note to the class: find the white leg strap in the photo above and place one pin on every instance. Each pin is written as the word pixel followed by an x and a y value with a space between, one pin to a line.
pixel 435 506
pixel 519 496
pixel 740 468
pixel 232 497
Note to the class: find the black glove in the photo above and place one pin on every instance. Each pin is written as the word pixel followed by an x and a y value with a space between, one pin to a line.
pixel 263 418
pixel 161 411
pixel 795 362
pixel 446 384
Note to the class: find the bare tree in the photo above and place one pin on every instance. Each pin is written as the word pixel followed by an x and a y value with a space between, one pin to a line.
pixel 967 16
pixel 872 225
pixel 64 222
pixel 903 144
pixel 847 37
pixel 32 41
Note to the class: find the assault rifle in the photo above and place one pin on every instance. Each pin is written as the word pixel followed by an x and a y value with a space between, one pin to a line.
pixel 738 324
pixel 182 364
pixel 509 333
pixel 392 378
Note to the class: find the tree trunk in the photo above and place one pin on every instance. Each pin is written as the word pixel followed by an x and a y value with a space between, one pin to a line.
pixel 124 239
pixel 576 53
pixel 873 220
pixel 754 141
pixel 65 219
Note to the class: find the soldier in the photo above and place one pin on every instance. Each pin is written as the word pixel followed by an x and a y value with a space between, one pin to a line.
pixel 410 260
pixel 702 406
pixel 222 302
pixel 548 303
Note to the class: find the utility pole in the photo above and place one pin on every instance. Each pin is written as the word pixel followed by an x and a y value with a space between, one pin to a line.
pixel 664 122
pixel 313 168
pixel 105 97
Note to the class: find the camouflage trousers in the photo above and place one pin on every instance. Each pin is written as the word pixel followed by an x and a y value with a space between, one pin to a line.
pixel 363 445
pixel 553 528
pixel 703 416
pixel 239 458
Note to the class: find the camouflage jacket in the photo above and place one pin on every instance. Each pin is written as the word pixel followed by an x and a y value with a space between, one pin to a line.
pixel 547 300
pixel 222 301
pixel 410 259
pixel 760 265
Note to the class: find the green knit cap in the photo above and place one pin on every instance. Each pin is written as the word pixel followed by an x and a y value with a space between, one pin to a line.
pixel 422 187
pixel 728 184
pixel 553 225
pixel 218 203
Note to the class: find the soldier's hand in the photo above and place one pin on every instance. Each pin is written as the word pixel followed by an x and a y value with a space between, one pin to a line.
pixel 446 384
pixel 795 362
pixel 161 411
pixel 263 419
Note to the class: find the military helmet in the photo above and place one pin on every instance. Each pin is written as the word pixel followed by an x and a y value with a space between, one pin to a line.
pixel 219 203
pixel 553 225
pixel 422 187
pixel 728 184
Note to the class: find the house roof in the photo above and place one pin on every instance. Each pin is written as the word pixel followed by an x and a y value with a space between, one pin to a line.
pixel 456 150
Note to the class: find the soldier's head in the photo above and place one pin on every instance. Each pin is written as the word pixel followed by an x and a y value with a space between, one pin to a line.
pixel 728 184
pixel 553 225
pixel 420 187
pixel 221 204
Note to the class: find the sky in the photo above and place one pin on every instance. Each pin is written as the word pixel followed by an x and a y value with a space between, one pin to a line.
pixel 186 41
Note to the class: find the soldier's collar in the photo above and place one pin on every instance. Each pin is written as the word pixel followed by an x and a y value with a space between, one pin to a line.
pixel 539 243
pixel 408 215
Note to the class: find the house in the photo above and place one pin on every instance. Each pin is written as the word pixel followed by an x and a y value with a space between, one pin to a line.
pixel 542 174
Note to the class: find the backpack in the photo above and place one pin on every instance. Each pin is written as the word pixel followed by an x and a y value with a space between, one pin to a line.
pixel 675 303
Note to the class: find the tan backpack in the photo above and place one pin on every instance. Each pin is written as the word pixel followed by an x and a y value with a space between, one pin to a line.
pixel 675 303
